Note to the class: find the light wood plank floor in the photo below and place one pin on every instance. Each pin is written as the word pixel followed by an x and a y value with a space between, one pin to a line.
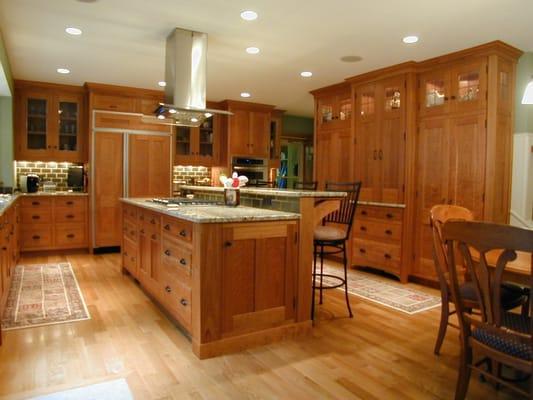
pixel 379 354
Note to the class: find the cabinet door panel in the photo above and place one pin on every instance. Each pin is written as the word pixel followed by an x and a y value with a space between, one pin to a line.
pixel 432 168
pixel 467 163
pixel 34 127
pixel 340 152
pixel 469 86
pixel 435 93
pixel 68 144
pixel 260 133
pixel 270 273
pixel 239 124
pixel 108 188
pixel 367 160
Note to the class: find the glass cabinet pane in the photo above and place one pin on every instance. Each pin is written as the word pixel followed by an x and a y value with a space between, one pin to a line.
pixel 345 110
pixel 68 126
pixel 183 140
pixel 435 93
pixel 206 137
pixel 392 98
pixel 326 112
pixel 368 105
pixel 36 124
pixel 468 86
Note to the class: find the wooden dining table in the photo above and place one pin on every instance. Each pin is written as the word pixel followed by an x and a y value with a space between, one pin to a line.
pixel 517 271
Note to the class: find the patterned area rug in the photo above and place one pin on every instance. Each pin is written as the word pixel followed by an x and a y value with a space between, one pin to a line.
pixel 117 389
pixel 43 294
pixel 383 291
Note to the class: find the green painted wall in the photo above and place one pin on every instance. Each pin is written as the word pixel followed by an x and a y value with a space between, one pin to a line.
pixel 6 121
pixel 297 126
pixel 523 112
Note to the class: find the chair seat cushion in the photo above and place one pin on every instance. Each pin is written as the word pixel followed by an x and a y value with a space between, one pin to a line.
pixel 504 343
pixel 329 233
pixel 512 295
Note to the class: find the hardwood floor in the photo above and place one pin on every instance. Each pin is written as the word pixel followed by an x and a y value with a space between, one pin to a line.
pixel 379 354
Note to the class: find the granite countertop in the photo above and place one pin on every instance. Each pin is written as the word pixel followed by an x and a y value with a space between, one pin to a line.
pixel 375 203
pixel 6 201
pixel 214 213
pixel 269 191
pixel 53 194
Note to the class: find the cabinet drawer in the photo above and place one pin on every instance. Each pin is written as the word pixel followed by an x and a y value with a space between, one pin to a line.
pixel 177 229
pixel 176 298
pixel 130 256
pixel 70 235
pixel 122 121
pixel 69 214
pixel 150 222
pixel 176 260
pixel 37 215
pixel 129 212
pixel 375 212
pixel 113 103
pixel 375 254
pixel 381 230
pixel 70 202
pixel 36 237
pixel 130 230
pixel 36 202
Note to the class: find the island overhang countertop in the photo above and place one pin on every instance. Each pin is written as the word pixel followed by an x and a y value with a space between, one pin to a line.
pixel 213 213
pixel 269 191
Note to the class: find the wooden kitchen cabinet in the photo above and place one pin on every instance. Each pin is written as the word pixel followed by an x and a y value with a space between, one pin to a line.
pixel 334 107
pixel 335 157
pixel 50 122
pixel 198 145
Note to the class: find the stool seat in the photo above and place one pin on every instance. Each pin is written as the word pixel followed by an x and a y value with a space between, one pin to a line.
pixel 329 233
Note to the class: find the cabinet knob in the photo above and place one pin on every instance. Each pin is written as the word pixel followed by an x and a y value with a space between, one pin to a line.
pixel 35 203
pixel 70 235
pixel 445 98
pixel 363 228
pixel 453 97
pixel 387 256
pixel 4 248
pixel 35 217
pixel 152 221
pixel 389 215
pixel 183 233
pixel 380 154
pixel 183 261
pixel 228 244
pixel 363 251
pixel 70 216
pixel 184 302
pixel 167 253
pixel 388 232
pixel 375 155
pixel 168 289
pixel 69 203
pixel 35 237
pixel 364 212
pixel 166 227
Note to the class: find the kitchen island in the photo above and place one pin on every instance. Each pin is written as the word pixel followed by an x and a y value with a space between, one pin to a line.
pixel 227 275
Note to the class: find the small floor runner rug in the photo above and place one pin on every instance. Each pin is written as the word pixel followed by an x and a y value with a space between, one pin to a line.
pixel 117 389
pixel 383 291
pixel 43 294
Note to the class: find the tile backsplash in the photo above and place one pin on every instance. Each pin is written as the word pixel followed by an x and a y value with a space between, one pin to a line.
pixel 191 174
pixel 48 171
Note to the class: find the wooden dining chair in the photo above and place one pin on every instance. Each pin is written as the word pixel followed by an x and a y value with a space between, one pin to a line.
pixel 502 336
pixel 512 295
pixel 303 185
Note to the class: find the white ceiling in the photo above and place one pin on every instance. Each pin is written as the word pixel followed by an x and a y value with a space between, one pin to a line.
pixel 123 40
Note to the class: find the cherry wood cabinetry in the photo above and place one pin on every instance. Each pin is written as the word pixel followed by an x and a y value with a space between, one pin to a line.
pixel 49 122
pixel 334 107
pixel 229 286
pixel 335 156
pixel 425 133
pixel 53 222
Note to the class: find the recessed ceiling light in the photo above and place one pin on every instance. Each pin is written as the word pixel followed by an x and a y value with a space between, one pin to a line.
pixel 63 71
pixel 248 15
pixel 73 31
pixel 252 50
pixel 410 39
pixel 306 74
pixel 162 83
pixel 245 94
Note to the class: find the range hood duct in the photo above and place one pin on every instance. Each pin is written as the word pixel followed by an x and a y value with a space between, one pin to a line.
pixel 185 77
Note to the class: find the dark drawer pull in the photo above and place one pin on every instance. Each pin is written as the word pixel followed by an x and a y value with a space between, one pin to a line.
pixel 35 237
pixel 154 236
pixel 152 221
pixel 389 215
pixel 70 235
pixel 387 256
pixel 35 203
pixel 168 289
pixel 228 244
pixel 362 251
pixel 184 302
pixel 35 217
pixel 4 248
pixel 167 227
pixel 183 261
pixel 142 231
pixel 364 212
pixel 183 233
pixel 167 253
pixel 69 203
pixel 363 228
pixel 125 254
pixel 132 259
pixel 388 232
pixel 70 216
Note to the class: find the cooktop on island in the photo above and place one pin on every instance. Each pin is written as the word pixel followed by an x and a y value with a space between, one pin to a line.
pixel 184 201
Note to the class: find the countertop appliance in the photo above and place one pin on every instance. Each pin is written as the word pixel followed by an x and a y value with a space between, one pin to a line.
pixel 32 183
pixel 23 183
pixel 75 178
pixel 255 169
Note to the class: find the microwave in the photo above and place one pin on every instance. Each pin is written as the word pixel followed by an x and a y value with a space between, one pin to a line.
pixel 255 169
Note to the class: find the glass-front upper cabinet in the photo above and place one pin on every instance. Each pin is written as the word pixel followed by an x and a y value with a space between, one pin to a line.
pixel 335 110
pixel 49 125
pixel 393 98
pixel 469 86
pixel 434 92
pixel 206 138
pixel 183 141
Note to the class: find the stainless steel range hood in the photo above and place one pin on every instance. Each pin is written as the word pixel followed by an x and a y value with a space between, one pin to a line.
pixel 185 77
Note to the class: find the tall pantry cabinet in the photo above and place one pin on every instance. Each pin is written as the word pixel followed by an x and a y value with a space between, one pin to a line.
pixel 424 133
